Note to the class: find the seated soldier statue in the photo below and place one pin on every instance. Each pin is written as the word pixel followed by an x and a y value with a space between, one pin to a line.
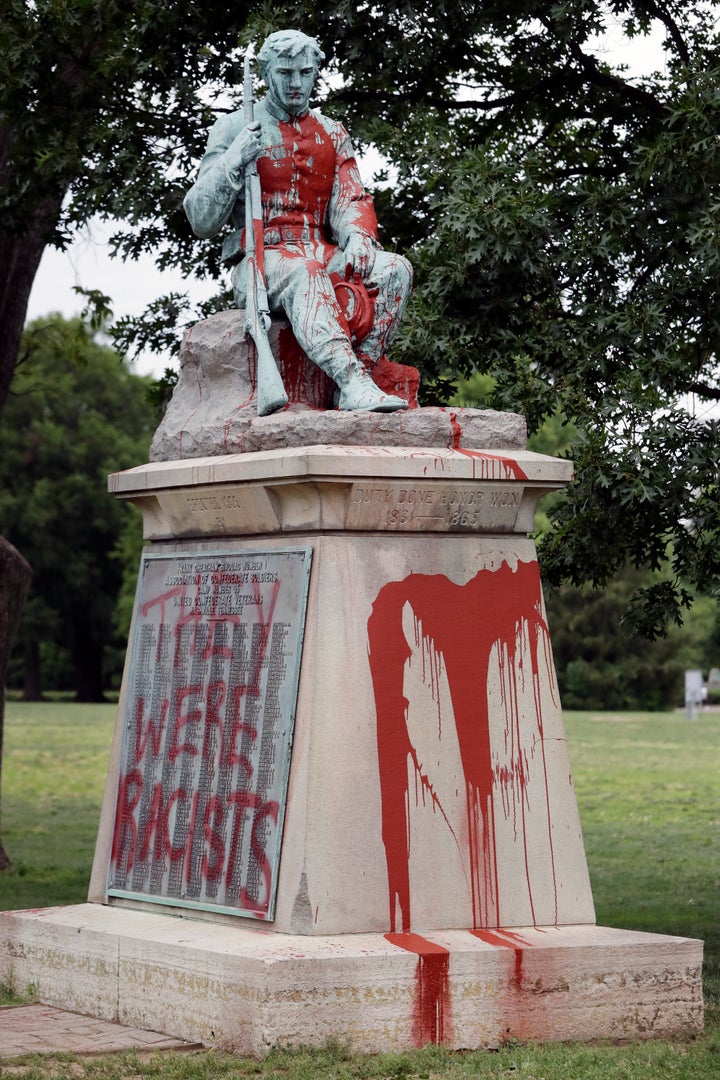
pixel 319 224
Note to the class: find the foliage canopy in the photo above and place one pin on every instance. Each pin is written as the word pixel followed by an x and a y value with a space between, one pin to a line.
pixel 561 213
pixel 75 414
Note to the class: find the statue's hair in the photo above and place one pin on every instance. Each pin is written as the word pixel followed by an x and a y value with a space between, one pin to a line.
pixel 288 43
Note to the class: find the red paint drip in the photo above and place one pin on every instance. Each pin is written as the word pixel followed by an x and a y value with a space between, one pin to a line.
pixel 504 939
pixel 304 381
pixel 513 1008
pixel 495 612
pixel 432 1012
pixel 456 431
pixel 491 937
pixel 494 466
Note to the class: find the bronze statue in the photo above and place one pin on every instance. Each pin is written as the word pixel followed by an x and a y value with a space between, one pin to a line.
pixel 323 266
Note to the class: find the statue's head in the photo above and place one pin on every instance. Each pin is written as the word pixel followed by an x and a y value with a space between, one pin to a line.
pixel 289 63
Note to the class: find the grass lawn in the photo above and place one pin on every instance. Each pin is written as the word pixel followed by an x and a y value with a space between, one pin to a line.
pixel 649 792
pixel 55 760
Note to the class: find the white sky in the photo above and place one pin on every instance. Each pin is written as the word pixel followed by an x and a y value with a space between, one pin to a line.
pixel 134 285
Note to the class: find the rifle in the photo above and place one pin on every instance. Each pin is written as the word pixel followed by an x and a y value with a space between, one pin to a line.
pixel 270 390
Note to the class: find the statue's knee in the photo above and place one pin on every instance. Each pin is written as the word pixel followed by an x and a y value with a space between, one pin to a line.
pixel 394 270
pixel 407 269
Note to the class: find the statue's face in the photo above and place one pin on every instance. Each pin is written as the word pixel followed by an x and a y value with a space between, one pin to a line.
pixel 290 81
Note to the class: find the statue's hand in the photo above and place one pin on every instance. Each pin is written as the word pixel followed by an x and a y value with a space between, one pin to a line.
pixel 359 256
pixel 244 148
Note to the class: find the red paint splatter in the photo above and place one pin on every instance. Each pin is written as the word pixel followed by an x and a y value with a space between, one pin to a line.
pixel 432 1011
pixel 456 431
pixel 504 939
pixel 499 614
pixel 513 1008
pixel 501 938
pixel 494 466
pixel 400 379
pixel 297 178
pixel 305 382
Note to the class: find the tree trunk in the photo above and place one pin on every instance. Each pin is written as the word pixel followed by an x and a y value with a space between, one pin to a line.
pixel 15 574
pixel 32 678
pixel 88 661
pixel 20 255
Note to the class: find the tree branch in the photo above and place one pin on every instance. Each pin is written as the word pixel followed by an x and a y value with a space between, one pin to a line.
pixel 656 11
pixel 712 393
pixel 597 77
pixel 591 73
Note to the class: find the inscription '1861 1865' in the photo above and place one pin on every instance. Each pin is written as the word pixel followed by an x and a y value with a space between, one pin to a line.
pixel 209 714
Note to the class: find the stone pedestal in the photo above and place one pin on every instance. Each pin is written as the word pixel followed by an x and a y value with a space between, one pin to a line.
pixel 432 883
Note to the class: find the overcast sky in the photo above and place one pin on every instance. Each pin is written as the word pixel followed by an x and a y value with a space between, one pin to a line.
pixel 134 285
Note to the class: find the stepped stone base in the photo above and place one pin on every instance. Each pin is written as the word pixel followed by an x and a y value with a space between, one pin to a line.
pixel 246 990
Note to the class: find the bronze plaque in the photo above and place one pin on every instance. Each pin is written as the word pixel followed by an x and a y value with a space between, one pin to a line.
pixel 209 714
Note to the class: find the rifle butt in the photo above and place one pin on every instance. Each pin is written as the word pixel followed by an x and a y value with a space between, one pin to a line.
pixel 271 394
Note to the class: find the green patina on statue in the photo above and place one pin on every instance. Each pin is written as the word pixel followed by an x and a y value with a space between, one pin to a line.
pixel 314 232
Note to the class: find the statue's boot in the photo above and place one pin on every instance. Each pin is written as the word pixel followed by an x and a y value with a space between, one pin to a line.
pixel 356 389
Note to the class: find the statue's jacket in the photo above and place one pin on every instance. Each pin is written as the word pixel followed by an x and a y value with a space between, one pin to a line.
pixel 311 186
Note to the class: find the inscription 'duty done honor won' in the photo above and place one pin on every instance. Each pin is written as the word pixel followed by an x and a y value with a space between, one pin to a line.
pixel 214 668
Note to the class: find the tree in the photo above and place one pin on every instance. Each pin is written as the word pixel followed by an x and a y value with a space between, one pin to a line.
pixel 601 666
pixel 563 218
pixel 560 212
pixel 103 107
pixel 15 573
pixel 75 413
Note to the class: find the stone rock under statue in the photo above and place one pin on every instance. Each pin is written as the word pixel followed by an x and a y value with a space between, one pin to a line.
pixel 339 802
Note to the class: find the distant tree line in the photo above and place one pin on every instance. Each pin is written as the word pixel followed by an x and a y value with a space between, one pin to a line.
pixel 601 664
pixel 75 413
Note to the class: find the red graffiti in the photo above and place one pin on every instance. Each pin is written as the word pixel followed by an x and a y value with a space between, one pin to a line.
pixel 222 820
pixel 185 804
pixel 192 612
pixel 495 618
pixel 432 1018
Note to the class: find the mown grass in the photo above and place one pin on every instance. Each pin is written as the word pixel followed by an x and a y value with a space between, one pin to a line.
pixel 54 767
pixel 649 794
pixel 648 788
pixel 649 1061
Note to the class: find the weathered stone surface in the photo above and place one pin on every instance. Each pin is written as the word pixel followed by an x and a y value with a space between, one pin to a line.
pixel 432 885
pixel 214 410
pixel 348 488
pixel 244 991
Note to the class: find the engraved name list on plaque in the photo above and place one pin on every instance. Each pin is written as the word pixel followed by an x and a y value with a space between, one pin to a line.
pixel 208 724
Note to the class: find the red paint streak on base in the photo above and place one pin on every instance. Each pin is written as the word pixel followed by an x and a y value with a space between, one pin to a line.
pixel 494 466
pixel 432 1018
pixel 504 939
pixel 513 1007
pixel 456 431
pixel 499 938
pixel 496 610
